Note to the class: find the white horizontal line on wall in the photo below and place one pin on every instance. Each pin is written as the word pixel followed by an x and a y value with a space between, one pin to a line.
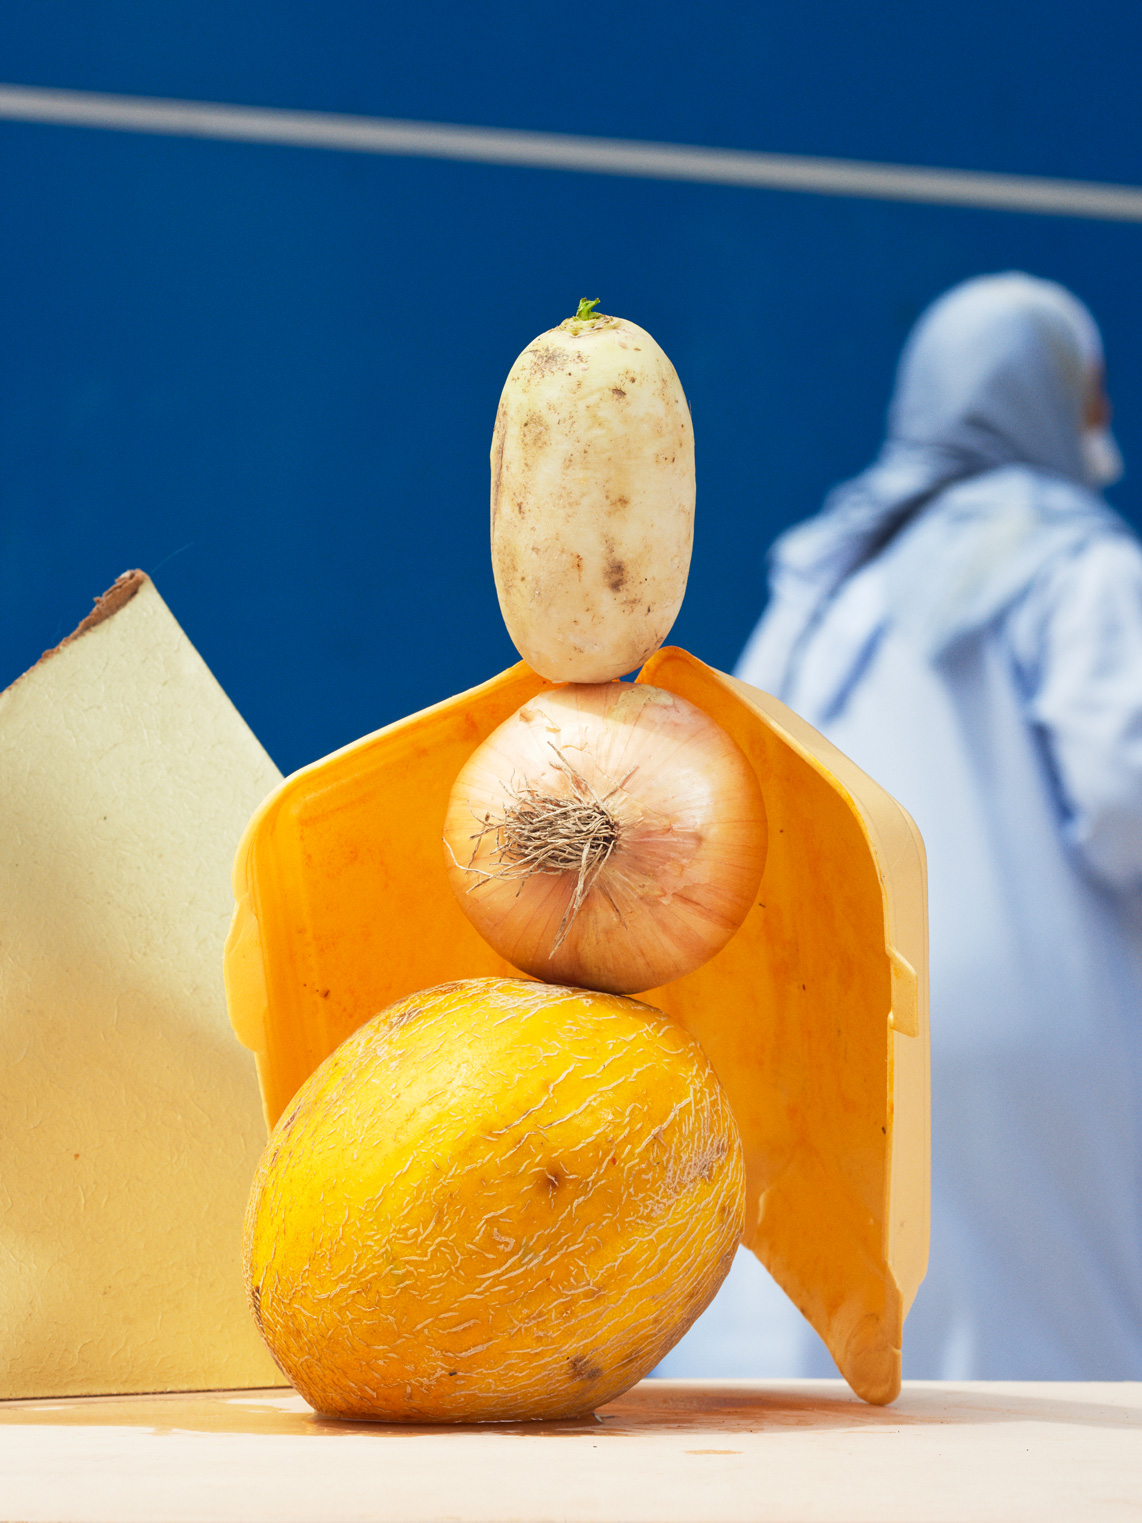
pixel 556 150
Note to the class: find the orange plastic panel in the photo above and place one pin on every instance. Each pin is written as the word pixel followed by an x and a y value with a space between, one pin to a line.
pixel 814 1015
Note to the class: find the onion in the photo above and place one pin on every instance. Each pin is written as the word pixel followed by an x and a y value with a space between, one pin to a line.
pixel 608 835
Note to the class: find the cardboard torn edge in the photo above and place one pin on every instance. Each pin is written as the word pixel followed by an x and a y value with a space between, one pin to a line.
pixel 108 603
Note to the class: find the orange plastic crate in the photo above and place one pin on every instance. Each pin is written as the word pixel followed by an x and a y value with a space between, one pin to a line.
pixel 814 1015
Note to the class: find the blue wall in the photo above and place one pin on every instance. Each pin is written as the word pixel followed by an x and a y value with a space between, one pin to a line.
pixel 268 375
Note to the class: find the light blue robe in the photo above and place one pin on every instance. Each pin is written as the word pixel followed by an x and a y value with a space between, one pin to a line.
pixel 965 621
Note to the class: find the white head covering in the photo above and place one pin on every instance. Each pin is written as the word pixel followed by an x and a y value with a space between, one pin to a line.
pixel 994 378
pixel 1000 352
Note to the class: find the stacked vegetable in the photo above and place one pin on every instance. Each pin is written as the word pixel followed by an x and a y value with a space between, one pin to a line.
pixel 506 1198
pixel 606 835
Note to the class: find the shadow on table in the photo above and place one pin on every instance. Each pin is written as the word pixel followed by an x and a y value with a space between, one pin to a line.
pixel 654 1407
pixel 753 1406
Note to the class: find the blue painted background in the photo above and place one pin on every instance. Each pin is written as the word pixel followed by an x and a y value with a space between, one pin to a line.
pixel 268 375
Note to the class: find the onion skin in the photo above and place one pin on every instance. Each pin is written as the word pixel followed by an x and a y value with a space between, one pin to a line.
pixel 496 1200
pixel 688 858
pixel 592 500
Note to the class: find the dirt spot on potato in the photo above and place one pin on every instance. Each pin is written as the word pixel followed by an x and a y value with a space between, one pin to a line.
pixel 617 391
pixel 544 361
pixel 616 575
pixel 534 434
pixel 497 464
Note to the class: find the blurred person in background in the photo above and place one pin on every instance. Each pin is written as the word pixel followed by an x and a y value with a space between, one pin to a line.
pixel 964 620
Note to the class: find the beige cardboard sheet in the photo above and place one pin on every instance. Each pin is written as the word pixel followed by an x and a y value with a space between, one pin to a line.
pixel 130 1120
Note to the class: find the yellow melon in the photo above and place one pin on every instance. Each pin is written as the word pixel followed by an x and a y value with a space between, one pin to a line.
pixel 497 1199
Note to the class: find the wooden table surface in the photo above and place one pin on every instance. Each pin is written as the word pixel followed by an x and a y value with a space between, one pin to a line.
pixel 785 1452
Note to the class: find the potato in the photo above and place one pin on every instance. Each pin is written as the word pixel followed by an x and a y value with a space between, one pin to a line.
pixel 592 499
